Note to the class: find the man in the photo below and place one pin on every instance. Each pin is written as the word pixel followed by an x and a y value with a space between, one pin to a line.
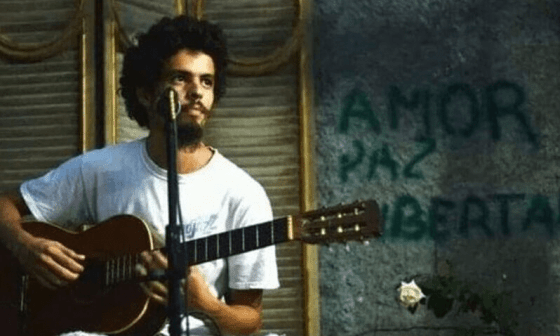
pixel 215 195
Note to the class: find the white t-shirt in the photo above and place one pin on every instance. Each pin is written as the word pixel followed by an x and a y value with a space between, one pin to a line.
pixel 122 179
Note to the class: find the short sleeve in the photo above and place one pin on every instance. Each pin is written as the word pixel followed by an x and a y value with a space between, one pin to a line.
pixel 256 269
pixel 59 197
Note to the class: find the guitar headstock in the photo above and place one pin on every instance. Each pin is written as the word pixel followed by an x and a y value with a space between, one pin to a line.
pixel 357 221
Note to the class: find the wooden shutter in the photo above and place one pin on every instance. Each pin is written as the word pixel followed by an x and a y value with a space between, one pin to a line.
pixel 40 89
pixel 256 125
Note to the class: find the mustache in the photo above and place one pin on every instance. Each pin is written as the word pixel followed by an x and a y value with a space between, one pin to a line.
pixel 185 106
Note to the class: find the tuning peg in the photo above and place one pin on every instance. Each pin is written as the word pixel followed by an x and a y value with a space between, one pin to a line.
pixel 365 242
pixel 347 247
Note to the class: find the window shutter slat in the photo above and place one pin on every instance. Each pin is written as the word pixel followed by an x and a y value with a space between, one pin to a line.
pixel 40 109
pixel 256 125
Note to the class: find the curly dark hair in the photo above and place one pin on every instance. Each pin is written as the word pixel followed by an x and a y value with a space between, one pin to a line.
pixel 143 62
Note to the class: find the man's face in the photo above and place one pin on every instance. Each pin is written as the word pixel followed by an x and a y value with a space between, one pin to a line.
pixel 192 75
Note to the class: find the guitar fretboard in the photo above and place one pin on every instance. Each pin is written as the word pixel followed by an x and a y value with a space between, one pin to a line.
pixel 198 251
pixel 237 241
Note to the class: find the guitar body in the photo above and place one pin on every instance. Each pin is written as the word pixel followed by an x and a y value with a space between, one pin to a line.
pixel 122 309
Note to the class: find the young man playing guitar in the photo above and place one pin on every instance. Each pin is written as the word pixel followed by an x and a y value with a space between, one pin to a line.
pixel 215 195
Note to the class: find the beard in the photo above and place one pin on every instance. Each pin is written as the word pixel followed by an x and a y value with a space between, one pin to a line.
pixel 189 134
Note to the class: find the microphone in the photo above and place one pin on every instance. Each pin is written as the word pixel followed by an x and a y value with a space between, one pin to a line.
pixel 168 104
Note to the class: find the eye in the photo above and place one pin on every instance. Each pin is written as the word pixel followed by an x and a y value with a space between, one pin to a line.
pixel 176 78
pixel 207 82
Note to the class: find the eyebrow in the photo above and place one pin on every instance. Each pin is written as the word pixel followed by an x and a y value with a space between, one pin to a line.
pixel 186 72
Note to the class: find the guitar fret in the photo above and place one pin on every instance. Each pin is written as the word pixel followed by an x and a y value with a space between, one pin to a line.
pixel 118 269
pixel 279 231
pixel 128 271
pixel 206 249
pixel 129 266
pixel 243 239
pixel 230 244
pixel 257 235
pixel 136 262
pixel 272 233
pixel 113 264
pixel 112 277
pixel 195 251
pixel 106 273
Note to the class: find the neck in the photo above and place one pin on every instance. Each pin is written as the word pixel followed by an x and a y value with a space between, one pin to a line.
pixel 189 159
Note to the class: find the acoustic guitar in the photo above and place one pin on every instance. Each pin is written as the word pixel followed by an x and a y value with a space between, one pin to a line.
pixel 107 297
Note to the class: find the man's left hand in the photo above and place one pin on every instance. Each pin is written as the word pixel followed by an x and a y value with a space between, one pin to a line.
pixel 196 288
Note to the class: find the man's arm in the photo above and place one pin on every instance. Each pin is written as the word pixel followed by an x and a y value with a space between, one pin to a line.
pixel 49 261
pixel 240 315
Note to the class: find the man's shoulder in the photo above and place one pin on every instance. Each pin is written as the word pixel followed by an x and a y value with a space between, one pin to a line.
pixel 233 171
pixel 235 176
pixel 110 158
pixel 119 152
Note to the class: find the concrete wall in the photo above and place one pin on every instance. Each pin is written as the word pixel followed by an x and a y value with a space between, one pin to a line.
pixel 448 114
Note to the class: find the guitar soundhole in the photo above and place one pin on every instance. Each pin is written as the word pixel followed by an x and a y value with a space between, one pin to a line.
pixel 90 286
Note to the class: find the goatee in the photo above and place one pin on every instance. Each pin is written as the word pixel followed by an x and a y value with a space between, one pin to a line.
pixel 189 134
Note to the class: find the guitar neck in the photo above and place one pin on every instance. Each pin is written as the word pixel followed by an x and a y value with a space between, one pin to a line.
pixel 238 241
pixel 357 221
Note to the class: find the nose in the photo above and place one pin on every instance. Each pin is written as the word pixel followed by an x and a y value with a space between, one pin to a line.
pixel 194 94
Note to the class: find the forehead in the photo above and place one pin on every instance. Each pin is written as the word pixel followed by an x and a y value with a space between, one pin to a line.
pixel 195 62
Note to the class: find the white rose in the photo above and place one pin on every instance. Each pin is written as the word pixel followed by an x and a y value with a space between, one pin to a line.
pixel 410 294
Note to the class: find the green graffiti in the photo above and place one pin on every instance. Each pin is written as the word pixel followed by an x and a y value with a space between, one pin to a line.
pixel 497 109
pixel 540 212
pixel 475 205
pixel 499 100
pixel 504 201
pixel 407 219
pixel 383 158
pixel 357 105
pixel 419 98
pixel 446 219
pixel 438 218
pixel 347 164
pixel 429 149
pixel 459 90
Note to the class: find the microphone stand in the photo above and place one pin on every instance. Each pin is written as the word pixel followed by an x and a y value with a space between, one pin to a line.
pixel 176 255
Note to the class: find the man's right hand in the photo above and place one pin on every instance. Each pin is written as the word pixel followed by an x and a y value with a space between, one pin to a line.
pixel 51 263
